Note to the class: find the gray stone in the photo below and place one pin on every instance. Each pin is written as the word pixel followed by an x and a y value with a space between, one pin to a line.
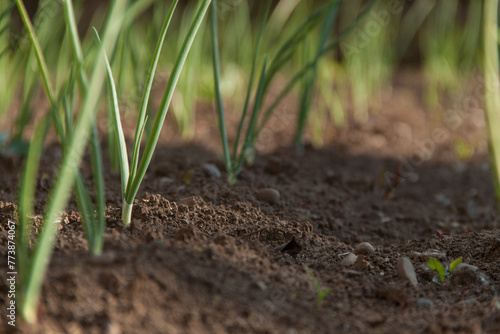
pixel 465 266
pixel 425 304
pixel 211 170
pixel 364 248
pixel 269 195
pixel 349 260
pixel 427 254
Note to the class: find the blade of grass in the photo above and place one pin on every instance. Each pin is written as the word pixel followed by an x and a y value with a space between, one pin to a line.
pixel 94 225
pixel 250 130
pixel 36 46
pixel 187 92
pixel 85 207
pixel 98 173
pixel 309 80
pixel 414 18
pixel 4 28
pixel 250 81
pixel 42 65
pixel 301 32
pixel 492 83
pixel 6 12
pixel 117 126
pixel 218 94
pixel 26 201
pixel 141 120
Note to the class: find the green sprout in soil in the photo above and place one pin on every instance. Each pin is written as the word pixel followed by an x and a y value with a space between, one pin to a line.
pixel 442 273
pixel 321 293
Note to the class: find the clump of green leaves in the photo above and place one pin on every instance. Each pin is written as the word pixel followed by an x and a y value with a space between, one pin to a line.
pixel 442 273
pixel 256 116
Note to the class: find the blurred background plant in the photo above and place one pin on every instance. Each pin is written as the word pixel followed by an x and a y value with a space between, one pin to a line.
pixel 441 36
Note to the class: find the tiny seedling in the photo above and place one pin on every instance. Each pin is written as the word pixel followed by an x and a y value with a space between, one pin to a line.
pixel 442 273
pixel 320 292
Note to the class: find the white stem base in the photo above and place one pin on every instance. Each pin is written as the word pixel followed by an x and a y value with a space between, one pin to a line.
pixel 127 212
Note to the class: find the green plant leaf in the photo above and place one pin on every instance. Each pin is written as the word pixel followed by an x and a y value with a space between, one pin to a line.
pixel 74 148
pixel 117 124
pixel 321 295
pixel 26 201
pixel 491 79
pixel 218 94
pixel 250 80
pixel 434 264
pixel 455 263
pixel 141 120
pixel 38 51
pixel 136 178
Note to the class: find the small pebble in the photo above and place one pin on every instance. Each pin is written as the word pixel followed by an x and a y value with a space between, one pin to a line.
pixel 349 260
pixel 113 328
pixel 425 304
pixel 465 266
pixel 262 285
pixel 211 170
pixel 165 181
pixel 364 248
pixel 269 195
pixel 406 270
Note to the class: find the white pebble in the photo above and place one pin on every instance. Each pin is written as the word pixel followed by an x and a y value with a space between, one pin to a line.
pixel 349 260
pixel 406 270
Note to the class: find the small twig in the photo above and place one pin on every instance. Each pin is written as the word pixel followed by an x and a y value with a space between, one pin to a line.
pixel 440 234
pixel 252 233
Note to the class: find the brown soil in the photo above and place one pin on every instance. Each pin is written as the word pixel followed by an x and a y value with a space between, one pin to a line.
pixel 205 257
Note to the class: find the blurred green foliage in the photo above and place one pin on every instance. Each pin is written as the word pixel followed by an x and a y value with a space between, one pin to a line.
pixel 443 37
